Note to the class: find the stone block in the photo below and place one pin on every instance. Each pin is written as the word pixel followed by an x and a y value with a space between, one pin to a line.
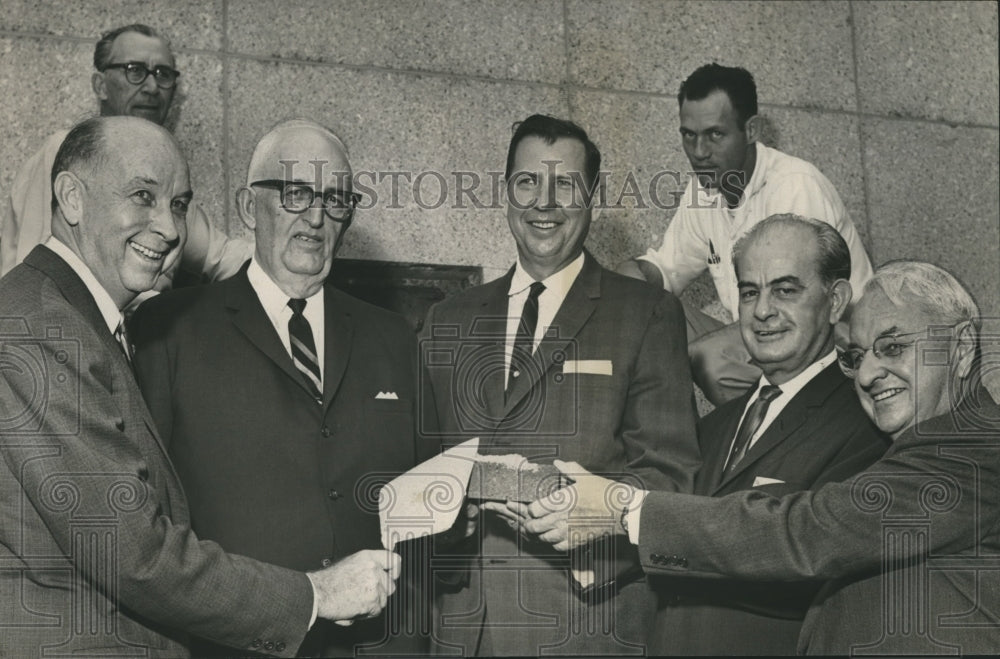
pixel 520 40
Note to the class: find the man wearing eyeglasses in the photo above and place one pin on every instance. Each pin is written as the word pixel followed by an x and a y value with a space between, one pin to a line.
pixel 906 548
pixel 134 75
pixel 280 397
pixel 800 427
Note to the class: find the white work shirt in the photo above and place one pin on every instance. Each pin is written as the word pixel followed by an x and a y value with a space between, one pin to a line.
pixel 704 229
pixel 557 286
pixel 275 303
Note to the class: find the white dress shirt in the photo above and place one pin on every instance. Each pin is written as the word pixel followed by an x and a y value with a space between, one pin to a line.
pixel 109 310
pixel 788 391
pixel 275 303
pixel 557 286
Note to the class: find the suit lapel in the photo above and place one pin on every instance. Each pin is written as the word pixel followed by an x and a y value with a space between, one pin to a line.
pixel 79 297
pixel 339 333
pixel 251 320
pixel 491 325
pixel 714 460
pixel 798 410
pixel 576 309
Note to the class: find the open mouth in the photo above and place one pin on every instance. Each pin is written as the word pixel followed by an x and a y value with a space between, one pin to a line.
pixel 308 239
pixel 145 252
pixel 543 224
pixel 888 393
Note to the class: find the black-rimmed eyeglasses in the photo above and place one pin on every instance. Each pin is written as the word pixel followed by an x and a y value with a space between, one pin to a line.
pixel 137 72
pixel 298 198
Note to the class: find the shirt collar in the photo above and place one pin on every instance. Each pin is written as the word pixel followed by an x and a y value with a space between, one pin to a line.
pixel 109 310
pixel 796 384
pixel 272 298
pixel 560 281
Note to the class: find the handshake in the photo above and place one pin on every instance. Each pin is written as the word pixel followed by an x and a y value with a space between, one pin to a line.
pixel 356 587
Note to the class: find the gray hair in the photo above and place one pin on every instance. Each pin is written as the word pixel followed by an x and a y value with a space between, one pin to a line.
pixel 931 288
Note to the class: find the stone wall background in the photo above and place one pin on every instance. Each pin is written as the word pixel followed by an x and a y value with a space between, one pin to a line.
pixel 897 102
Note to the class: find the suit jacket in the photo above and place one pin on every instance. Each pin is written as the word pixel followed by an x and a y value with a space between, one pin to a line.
pixel 821 435
pixel 96 552
pixel 610 388
pixel 270 472
pixel 908 544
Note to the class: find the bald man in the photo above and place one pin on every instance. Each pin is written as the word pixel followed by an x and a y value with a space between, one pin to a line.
pixel 282 399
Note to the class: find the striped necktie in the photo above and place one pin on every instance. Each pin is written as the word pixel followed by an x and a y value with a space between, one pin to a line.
pixel 121 336
pixel 751 422
pixel 304 348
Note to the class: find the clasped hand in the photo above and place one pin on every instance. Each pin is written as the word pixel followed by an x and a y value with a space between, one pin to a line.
pixel 357 586
pixel 588 509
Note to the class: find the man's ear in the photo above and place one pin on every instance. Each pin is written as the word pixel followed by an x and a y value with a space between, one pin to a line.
pixel 68 190
pixel 245 201
pixel 99 85
pixel 752 128
pixel 965 349
pixel 840 299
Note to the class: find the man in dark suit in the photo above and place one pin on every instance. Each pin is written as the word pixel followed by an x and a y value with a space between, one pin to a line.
pixel 284 402
pixel 907 546
pixel 96 553
pixel 793 288
pixel 560 358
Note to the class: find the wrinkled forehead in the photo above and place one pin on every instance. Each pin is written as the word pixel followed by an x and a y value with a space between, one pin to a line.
pixel 876 315
pixel 301 154
pixel 136 47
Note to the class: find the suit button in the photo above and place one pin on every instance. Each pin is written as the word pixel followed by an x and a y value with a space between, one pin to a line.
pixel 319 401
pixel 120 424
pixel 256 644
pixel 683 562
pixel 326 562
pixel 325 431
pixel 143 474
pixel 269 645
pixel 279 646
pixel 333 495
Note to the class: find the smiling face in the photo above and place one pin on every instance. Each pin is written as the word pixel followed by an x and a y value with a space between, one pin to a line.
pixel 547 210
pixel 897 392
pixel 118 96
pixel 786 312
pixel 296 249
pixel 719 148
pixel 134 207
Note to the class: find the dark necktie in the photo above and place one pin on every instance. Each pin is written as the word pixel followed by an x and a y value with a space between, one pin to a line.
pixel 525 340
pixel 304 348
pixel 751 422
pixel 121 336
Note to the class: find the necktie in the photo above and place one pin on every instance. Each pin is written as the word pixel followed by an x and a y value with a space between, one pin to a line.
pixel 121 336
pixel 751 422
pixel 304 348
pixel 525 340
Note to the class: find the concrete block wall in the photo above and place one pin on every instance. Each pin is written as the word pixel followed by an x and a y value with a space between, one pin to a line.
pixel 897 102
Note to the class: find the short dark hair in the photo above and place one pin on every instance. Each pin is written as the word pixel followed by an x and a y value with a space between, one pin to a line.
pixel 551 129
pixel 834 255
pixel 736 82
pixel 102 51
pixel 84 145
